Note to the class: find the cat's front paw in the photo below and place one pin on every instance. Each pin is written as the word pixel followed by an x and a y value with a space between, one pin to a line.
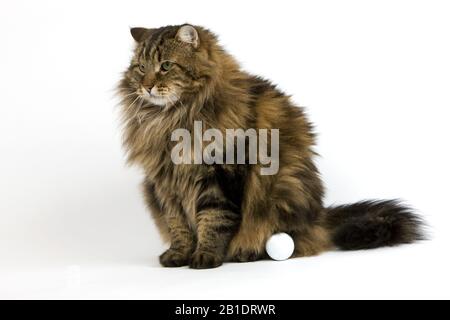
pixel 173 258
pixel 205 260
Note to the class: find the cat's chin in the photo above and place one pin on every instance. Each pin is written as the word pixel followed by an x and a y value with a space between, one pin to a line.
pixel 161 101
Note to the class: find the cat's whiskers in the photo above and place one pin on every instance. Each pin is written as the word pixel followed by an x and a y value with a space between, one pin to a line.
pixel 129 94
pixel 126 117
pixel 124 98
pixel 131 105
pixel 138 112
pixel 169 97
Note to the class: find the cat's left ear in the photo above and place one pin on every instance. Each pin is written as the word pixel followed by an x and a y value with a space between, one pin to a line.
pixel 188 34
pixel 140 34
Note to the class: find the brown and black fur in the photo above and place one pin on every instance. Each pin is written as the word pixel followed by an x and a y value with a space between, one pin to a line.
pixel 215 213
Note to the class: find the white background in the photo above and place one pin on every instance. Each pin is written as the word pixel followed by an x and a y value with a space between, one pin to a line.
pixel 373 75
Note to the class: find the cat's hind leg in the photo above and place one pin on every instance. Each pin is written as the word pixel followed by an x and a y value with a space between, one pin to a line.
pixel 257 224
pixel 249 243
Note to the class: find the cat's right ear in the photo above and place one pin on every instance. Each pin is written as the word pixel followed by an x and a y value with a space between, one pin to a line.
pixel 140 34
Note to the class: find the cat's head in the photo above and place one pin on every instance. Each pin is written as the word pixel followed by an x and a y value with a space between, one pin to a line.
pixel 170 63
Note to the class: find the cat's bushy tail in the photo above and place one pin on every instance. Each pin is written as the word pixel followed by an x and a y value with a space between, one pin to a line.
pixel 374 223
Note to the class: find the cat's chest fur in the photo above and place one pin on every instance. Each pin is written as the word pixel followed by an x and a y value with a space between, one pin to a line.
pixel 149 146
pixel 148 141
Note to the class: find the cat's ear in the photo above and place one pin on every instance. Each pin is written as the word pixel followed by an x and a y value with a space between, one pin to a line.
pixel 140 34
pixel 188 34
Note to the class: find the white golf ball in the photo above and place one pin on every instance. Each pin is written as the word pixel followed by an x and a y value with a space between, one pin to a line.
pixel 280 246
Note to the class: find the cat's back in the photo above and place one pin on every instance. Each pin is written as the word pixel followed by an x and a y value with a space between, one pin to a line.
pixel 274 109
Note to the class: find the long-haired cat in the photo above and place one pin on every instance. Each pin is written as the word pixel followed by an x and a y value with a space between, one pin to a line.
pixel 211 213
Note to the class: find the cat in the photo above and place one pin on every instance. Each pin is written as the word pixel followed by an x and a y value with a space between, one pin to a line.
pixel 216 213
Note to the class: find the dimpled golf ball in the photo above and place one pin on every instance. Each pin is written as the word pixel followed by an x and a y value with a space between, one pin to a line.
pixel 280 246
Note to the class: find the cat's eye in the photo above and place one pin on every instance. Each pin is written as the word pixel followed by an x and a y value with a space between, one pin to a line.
pixel 142 68
pixel 166 65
